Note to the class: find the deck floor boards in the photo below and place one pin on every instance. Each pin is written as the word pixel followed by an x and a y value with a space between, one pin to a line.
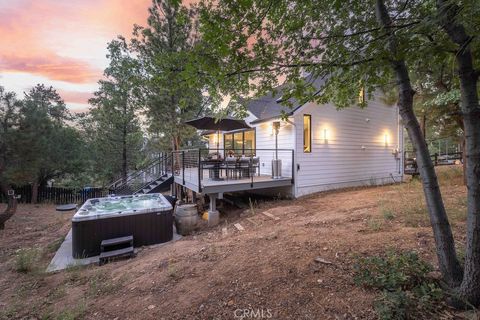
pixel 262 181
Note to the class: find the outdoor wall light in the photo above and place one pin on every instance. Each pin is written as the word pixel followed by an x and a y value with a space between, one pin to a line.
pixel 395 152
pixel 386 140
pixel 325 138
pixel 276 126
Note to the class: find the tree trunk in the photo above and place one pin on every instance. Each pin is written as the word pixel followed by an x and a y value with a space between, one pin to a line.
pixel 10 210
pixel 34 198
pixel 445 245
pixel 447 10
pixel 424 126
pixel 124 156
pixel 464 160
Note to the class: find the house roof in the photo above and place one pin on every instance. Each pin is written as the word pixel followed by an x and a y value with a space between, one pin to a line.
pixel 270 106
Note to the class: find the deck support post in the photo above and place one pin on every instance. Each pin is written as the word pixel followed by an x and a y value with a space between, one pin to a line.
pixel 213 214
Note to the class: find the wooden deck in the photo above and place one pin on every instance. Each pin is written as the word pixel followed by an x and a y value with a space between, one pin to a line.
pixel 208 185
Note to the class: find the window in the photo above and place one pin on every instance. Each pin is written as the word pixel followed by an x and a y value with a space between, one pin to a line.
pixel 228 141
pixel 249 142
pixel 361 96
pixel 240 142
pixel 307 133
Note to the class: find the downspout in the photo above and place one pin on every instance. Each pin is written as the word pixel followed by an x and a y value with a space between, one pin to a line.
pixel 401 138
pixel 295 181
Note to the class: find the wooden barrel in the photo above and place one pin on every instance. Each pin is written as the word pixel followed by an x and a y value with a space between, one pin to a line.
pixel 186 218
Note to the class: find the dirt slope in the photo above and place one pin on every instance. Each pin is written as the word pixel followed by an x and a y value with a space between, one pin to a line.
pixel 222 273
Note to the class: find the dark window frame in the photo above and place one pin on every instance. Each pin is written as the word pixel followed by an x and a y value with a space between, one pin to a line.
pixel 231 134
pixel 309 116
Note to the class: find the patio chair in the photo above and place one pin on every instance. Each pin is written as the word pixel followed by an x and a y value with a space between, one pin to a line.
pixel 255 166
pixel 231 167
pixel 206 165
pixel 244 166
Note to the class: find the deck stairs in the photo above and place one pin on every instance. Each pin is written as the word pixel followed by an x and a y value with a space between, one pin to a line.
pixel 154 177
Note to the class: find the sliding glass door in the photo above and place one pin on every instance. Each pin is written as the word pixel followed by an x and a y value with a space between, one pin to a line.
pixel 240 142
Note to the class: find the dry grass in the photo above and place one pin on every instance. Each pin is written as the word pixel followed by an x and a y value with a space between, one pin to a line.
pixel 406 202
pixel 210 274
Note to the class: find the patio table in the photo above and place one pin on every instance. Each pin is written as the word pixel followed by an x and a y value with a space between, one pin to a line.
pixel 215 168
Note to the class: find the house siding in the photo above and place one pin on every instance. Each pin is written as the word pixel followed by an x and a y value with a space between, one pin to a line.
pixel 340 161
pixel 265 139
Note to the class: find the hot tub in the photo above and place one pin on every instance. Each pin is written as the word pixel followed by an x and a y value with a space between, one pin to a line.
pixel 147 217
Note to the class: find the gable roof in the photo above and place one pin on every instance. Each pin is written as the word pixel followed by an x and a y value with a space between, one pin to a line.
pixel 270 106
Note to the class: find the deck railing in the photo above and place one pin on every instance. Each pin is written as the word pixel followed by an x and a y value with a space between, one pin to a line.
pixel 197 165
pixel 150 172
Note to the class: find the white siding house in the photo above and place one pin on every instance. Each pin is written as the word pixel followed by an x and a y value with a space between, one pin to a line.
pixel 349 147
pixel 342 148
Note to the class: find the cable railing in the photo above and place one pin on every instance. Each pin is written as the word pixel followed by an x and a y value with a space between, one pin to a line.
pixel 194 166
pixel 140 178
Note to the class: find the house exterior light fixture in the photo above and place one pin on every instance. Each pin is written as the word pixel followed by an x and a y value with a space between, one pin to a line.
pixel 276 126
pixel 386 140
pixel 325 138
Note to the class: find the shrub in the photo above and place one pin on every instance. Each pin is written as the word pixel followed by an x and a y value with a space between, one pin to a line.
pixel 55 245
pixel 75 313
pixel 407 292
pixel 26 260
pixel 403 271
pixel 374 224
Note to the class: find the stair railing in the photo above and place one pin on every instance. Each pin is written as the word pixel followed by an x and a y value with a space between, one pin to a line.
pixel 134 181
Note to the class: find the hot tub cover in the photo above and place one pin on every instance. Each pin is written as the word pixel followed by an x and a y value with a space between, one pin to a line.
pixel 109 207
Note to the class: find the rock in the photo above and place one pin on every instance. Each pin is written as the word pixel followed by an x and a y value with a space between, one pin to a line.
pixel 151 307
pixel 230 303
pixel 321 260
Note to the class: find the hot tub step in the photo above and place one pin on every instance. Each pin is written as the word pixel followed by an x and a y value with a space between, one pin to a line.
pixel 116 241
pixel 105 256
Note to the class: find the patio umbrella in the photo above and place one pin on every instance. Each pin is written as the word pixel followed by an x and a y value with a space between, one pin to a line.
pixel 212 123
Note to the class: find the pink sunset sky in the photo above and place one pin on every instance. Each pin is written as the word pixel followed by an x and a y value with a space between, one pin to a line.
pixel 62 43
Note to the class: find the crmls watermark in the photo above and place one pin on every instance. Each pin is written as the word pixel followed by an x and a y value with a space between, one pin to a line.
pixel 250 313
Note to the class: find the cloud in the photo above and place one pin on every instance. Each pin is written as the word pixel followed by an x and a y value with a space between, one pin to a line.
pixel 51 66
pixel 63 40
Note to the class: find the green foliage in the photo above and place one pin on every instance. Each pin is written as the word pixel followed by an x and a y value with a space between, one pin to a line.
pixel 170 85
pixel 113 127
pixel 76 312
pixel 394 271
pixel 27 260
pixel 374 224
pixel 388 214
pixel 55 245
pixel 406 290
pixel 38 143
pixel 338 41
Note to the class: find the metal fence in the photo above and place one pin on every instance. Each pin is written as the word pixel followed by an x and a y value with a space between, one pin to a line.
pixel 56 195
